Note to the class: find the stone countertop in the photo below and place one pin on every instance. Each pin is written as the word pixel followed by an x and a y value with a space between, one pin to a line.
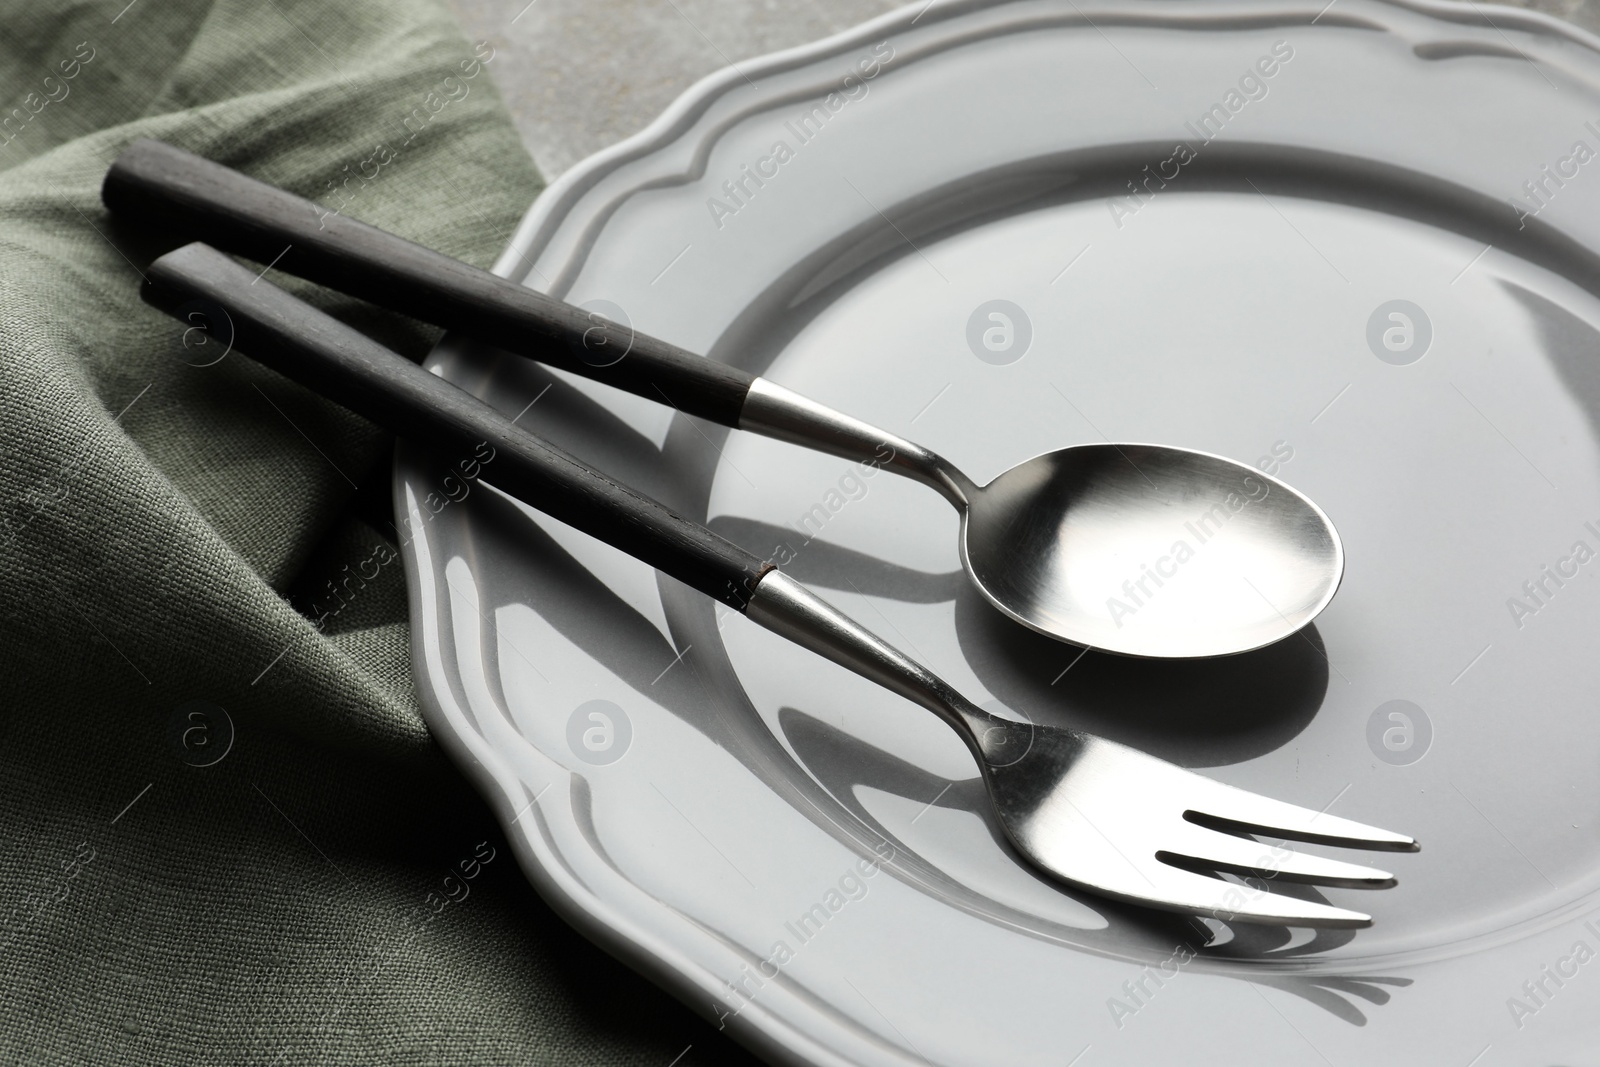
pixel 580 75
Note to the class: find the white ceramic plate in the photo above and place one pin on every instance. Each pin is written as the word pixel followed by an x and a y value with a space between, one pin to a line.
pixel 1331 275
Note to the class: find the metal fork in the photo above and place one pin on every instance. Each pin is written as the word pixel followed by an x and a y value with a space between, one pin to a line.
pixel 1100 815
pixel 1093 813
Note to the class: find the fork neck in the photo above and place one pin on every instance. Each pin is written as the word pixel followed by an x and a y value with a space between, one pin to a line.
pixel 773 411
pixel 790 610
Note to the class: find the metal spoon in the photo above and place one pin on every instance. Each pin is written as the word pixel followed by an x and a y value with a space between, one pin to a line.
pixel 1139 549
pixel 1145 550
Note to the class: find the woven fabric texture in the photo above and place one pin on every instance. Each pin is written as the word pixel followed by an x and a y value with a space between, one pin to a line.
pixel 228 837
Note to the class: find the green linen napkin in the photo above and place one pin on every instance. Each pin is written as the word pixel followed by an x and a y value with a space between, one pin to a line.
pixel 227 834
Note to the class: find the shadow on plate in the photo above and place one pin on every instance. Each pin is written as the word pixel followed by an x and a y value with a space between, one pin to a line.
pixel 1195 713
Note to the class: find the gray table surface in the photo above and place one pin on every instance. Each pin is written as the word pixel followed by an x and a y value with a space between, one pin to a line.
pixel 579 75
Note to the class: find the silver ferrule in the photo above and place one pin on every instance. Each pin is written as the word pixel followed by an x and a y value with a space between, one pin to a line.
pixel 773 411
pixel 790 610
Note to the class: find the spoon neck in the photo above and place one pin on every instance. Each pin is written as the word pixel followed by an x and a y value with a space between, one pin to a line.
pixel 773 411
pixel 931 469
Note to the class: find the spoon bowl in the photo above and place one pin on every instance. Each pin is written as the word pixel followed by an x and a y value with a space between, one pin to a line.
pixel 1148 550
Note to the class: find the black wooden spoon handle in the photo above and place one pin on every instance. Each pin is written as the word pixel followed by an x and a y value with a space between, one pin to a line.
pixel 194 199
pixel 204 287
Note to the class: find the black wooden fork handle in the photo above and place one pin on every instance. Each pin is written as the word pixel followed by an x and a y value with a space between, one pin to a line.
pixel 193 199
pixel 200 285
